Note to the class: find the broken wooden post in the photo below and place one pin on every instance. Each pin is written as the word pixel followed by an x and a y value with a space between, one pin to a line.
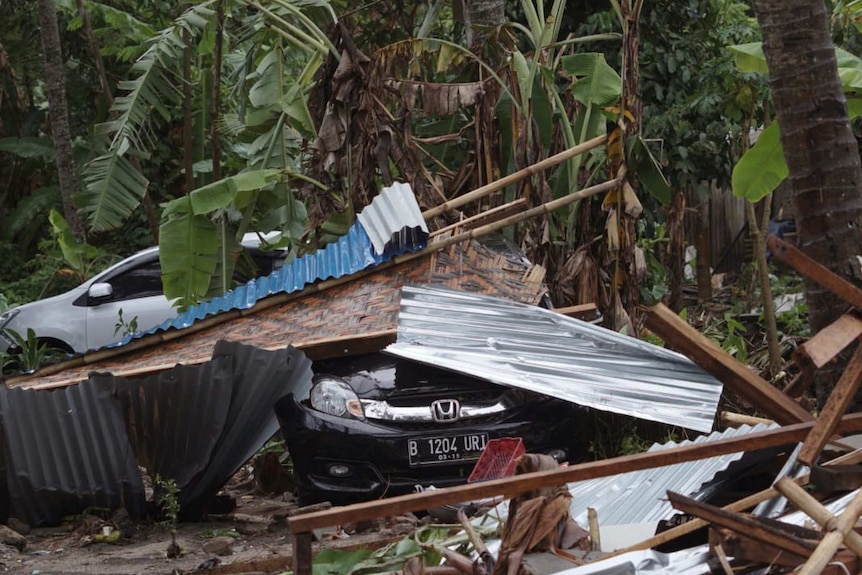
pixel 754 527
pixel 839 400
pixel 814 271
pixel 679 335
pixel 823 346
pixel 837 531
pixel 804 501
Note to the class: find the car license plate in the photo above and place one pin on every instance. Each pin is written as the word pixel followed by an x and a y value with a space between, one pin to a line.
pixel 446 449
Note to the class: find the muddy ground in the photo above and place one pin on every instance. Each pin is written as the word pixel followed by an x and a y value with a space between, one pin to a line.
pixel 252 538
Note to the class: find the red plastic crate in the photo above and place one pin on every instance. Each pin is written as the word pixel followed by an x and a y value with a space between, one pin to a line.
pixel 498 459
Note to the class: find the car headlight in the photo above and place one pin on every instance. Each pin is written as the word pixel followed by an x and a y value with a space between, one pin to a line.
pixel 333 396
pixel 7 316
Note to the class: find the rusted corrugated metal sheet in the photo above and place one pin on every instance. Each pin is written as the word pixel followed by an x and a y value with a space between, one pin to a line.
pixel 174 418
pixel 66 450
pixel 260 379
pixel 81 446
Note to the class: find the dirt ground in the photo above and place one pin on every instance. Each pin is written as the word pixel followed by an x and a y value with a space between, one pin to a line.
pixel 253 538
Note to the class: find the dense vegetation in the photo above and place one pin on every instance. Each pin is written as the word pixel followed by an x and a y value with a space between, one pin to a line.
pixel 192 124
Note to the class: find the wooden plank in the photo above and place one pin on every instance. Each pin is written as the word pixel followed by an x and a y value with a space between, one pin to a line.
pixel 836 477
pixel 839 400
pixel 800 383
pixel 584 311
pixel 301 553
pixel 750 526
pixel 824 345
pixel 814 271
pixel 513 486
pixel 743 548
pixel 741 505
pixel 679 335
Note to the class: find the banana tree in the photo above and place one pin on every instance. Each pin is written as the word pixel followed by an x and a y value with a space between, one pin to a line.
pixel 260 125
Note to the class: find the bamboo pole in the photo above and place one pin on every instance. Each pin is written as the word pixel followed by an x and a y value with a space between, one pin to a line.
pixel 838 530
pixel 804 501
pixel 489 215
pixel 736 506
pixel 498 185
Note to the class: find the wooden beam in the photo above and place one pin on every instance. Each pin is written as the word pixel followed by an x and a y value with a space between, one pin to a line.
pixel 831 478
pixel 741 505
pixel 301 552
pixel 584 311
pixel 746 549
pixel 751 526
pixel 836 405
pixel 814 271
pixel 824 345
pixel 681 336
pixel 513 486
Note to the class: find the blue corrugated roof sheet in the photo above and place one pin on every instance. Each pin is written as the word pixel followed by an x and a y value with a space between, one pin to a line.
pixel 395 228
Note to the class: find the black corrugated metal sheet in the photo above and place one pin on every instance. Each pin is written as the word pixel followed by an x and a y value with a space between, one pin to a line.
pixel 81 446
pixel 66 450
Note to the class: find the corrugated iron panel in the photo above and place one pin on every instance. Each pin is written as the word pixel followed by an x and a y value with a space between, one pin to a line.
pixel 260 379
pixel 542 351
pixel 66 450
pixel 641 496
pixel 394 211
pixel 394 226
pixel 174 418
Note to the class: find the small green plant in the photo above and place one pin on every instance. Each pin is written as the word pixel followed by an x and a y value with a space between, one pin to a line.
pixel 123 328
pixel 169 504
pixel 27 354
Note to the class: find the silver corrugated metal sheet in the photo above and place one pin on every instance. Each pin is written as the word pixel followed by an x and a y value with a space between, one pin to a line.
pixel 537 349
pixel 694 561
pixel 641 496
pixel 394 226
pixel 393 211
pixel 66 450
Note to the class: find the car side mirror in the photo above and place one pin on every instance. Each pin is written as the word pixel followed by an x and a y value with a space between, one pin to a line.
pixel 100 291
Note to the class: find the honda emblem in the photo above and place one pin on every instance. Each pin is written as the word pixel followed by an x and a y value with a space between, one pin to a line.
pixel 445 410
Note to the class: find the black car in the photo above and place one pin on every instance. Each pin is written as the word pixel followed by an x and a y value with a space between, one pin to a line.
pixel 376 425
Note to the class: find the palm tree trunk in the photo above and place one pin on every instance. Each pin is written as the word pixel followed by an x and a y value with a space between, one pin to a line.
pixel 478 15
pixel 821 152
pixel 60 130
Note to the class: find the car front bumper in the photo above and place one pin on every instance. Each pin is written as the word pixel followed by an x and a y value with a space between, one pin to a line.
pixel 350 460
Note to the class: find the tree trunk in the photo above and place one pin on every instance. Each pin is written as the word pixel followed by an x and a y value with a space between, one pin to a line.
pixel 215 103
pixel 821 152
pixel 61 133
pixel 481 14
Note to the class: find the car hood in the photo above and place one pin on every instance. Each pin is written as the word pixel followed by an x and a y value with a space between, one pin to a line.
pixel 384 377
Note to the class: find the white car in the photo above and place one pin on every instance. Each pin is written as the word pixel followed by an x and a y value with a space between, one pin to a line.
pixel 86 317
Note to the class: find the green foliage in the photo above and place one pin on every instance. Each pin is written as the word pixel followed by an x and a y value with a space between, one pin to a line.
pixel 653 287
pixel 27 354
pixel 168 501
pixel 729 334
pixel 124 328
pixel 762 168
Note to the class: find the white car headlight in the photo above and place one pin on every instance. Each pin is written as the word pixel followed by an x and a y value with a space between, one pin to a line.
pixel 333 396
